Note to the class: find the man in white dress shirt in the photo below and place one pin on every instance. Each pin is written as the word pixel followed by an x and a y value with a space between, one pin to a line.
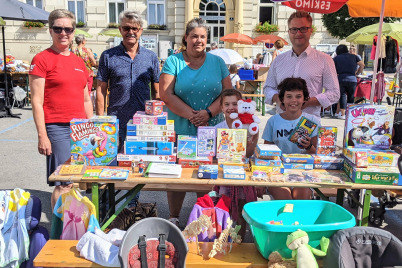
pixel 317 68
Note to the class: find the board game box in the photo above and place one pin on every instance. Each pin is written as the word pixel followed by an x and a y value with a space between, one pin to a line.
pixel 304 128
pixel 234 173
pixel 208 172
pixel 154 107
pixel 94 141
pixel 263 150
pixel 113 174
pixel 369 126
pixel 231 144
pixel 148 148
pixel 297 158
pixel 140 117
pixel 196 162
pixel 326 140
pixel 206 141
pixel 187 146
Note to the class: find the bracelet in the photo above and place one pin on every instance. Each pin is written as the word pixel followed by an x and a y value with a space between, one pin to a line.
pixel 209 112
pixel 308 147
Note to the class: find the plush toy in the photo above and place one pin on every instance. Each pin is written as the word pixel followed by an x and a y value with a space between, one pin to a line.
pixel 245 117
pixel 302 252
pixel 275 261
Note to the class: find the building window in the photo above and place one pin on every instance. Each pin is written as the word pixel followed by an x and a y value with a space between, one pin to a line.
pixel 35 3
pixel 77 7
pixel 266 11
pixel 115 7
pixel 156 12
pixel 214 12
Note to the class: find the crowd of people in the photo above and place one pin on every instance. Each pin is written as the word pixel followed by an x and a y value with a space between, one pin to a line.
pixel 197 88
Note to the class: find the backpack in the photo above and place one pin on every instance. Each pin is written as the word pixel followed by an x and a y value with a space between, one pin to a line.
pixel 152 253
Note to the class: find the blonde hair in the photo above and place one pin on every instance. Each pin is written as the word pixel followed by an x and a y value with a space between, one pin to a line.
pixel 59 14
pixel 300 14
pixel 279 44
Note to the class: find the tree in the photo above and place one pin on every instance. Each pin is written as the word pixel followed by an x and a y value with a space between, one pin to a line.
pixel 341 25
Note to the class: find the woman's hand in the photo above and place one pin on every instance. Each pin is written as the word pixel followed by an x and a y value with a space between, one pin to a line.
pixel 199 118
pixel 44 146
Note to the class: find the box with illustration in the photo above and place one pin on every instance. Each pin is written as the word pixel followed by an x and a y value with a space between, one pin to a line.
pixel 231 144
pixel 186 146
pixel 304 128
pixel 206 141
pixel 94 142
pixel 326 140
pixel 369 126
pixel 148 147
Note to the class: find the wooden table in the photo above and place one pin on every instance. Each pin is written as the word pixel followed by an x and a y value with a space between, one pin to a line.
pixel 190 183
pixel 62 253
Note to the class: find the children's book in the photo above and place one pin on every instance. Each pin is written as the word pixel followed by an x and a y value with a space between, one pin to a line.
pixel 206 137
pixel 163 170
pixel 113 174
pixel 326 144
pixel 231 144
pixel 71 169
pixel 304 128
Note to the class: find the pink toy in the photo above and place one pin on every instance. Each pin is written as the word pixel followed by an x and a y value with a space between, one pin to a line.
pixel 245 117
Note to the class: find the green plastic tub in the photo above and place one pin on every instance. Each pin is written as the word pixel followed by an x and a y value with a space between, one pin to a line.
pixel 317 218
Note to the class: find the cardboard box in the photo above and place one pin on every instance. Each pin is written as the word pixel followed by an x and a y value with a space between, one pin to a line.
pixel 148 148
pixel 94 141
pixel 264 162
pixel 231 144
pixel 148 158
pixel 154 107
pixel 151 133
pixel 268 169
pixel 234 173
pixel 326 140
pixel 244 163
pixel 297 166
pixel 372 174
pixel 297 158
pixel 262 73
pixel 206 139
pixel 387 158
pixel 149 138
pixel 134 127
pixel 195 163
pixel 187 146
pixel 328 162
pixel 358 156
pixel 268 150
pixel 368 126
pixel 208 172
pixel 141 117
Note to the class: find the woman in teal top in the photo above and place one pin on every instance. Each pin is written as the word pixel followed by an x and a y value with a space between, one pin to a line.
pixel 190 85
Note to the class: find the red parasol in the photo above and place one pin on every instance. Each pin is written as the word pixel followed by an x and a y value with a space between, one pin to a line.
pixel 237 38
pixel 268 38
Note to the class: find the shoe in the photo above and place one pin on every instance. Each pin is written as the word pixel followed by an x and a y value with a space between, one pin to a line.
pixel 175 221
pixel 341 117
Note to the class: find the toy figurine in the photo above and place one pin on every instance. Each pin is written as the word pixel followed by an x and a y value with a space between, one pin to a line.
pixel 132 166
pixel 141 166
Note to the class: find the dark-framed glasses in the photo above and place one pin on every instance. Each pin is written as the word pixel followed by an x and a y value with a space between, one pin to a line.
pixel 301 29
pixel 128 28
pixel 67 30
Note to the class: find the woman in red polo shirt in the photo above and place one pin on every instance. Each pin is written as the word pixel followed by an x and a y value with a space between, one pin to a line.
pixel 58 81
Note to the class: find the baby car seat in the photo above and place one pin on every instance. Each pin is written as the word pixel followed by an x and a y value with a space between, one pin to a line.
pixel 362 247
pixel 38 235
pixel 153 229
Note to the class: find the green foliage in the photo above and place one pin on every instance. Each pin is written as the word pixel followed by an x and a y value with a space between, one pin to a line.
pixel 80 24
pixel 35 24
pixel 341 25
pixel 157 26
pixel 113 25
pixel 266 28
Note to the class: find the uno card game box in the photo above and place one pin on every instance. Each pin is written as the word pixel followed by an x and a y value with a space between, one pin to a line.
pixel 304 128
pixel 231 144
pixel 208 172
pixel 206 137
pixel 326 140
pixel 94 141
pixel 369 126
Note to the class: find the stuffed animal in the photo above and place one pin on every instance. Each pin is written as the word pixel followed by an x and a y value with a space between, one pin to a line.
pixel 302 252
pixel 245 117
pixel 275 261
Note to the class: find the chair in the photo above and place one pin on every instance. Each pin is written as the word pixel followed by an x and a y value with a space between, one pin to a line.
pixel 361 247
pixel 152 227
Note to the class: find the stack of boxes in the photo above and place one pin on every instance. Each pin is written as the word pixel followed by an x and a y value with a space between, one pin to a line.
pixel 194 151
pixel 150 137
pixel 367 140
pixel 325 158
pixel 267 158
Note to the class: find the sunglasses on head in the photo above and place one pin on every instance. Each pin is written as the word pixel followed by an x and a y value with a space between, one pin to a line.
pixel 128 28
pixel 67 30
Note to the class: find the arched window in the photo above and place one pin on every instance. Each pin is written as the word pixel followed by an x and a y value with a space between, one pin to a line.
pixel 214 11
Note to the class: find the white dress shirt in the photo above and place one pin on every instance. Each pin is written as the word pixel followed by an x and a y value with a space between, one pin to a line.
pixel 317 68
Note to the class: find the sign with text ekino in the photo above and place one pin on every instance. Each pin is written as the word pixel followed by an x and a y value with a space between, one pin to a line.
pixel 316 6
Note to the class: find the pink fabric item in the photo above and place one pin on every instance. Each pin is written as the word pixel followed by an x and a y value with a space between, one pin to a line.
pixel 73 224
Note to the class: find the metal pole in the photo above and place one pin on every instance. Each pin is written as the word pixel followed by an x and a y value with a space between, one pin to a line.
pixel 5 67
pixel 377 51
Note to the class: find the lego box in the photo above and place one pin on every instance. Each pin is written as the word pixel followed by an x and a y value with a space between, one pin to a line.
pixel 368 126
pixel 372 174
pixel 94 141
pixel 326 140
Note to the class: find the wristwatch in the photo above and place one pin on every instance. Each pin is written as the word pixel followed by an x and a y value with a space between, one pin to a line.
pixel 209 112
pixel 308 147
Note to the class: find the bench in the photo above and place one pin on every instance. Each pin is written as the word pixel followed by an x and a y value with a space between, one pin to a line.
pixel 62 253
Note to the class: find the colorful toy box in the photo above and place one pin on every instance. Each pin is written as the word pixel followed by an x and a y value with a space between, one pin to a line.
pixel 328 162
pixel 245 163
pixel 208 172
pixel 267 162
pixel 369 126
pixel 134 127
pixel 372 174
pixel 151 138
pixel 94 141
pixel 151 133
pixel 154 107
pixel 297 159
pixel 150 147
pixel 263 150
pixel 304 128
pixel 358 156
pixel 297 166
pixel 187 146
pixel 141 117
pixel 387 158
pixel 326 144
pixel 231 144
pixel 206 141
pixel 196 162
pixel 234 172
pixel 268 169
pixel 148 158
